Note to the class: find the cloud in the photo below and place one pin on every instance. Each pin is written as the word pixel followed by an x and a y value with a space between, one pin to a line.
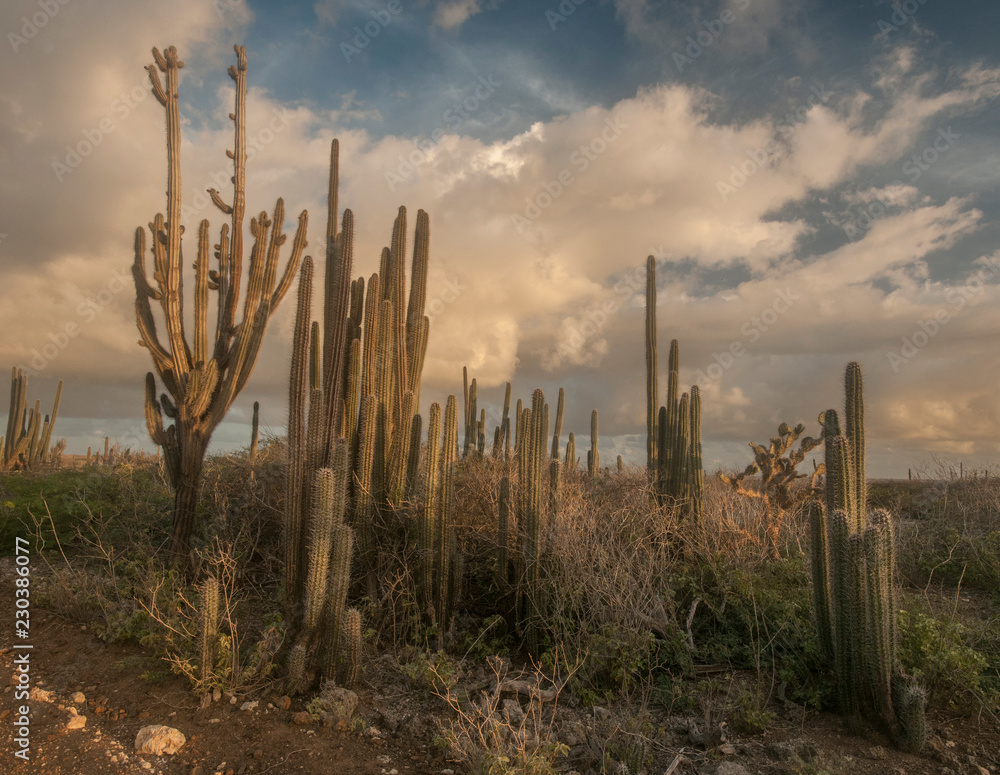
pixel 535 238
pixel 454 13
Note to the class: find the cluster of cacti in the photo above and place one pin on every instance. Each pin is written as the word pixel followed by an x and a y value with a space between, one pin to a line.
pixel 673 431
pixel 29 434
pixel 853 565
pixel 534 520
pixel 354 384
pixel 201 382
pixel 441 573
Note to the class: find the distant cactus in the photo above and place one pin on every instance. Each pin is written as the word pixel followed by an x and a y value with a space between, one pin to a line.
pixel 254 431
pixel 853 565
pixel 593 456
pixel 27 443
pixel 673 431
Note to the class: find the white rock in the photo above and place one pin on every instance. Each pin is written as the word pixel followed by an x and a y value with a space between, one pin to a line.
pixel 159 740
pixel 249 705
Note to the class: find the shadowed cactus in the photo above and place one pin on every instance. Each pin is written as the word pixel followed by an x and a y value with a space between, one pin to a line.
pixel 673 431
pixel 853 568
pixel 593 455
pixel 209 626
pixel 201 382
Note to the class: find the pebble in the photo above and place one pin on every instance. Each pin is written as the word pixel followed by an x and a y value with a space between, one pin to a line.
pixel 249 705
pixel 78 697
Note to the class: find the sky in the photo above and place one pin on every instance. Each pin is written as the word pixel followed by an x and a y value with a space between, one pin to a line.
pixel 818 182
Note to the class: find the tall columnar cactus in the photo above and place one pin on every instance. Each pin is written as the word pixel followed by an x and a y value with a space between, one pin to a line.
pixel 27 443
pixel 559 423
pixel 853 566
pixel 364 387
pixel 209 626
pixel 254 432
pixel 532 517
pixel 593 455
pixel 571 459
pixel 350 636
pixel 202 382
pixel 437 525
pixel 673 431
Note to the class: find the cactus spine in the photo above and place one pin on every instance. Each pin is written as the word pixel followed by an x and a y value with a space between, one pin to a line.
pixel 200 382
pixel 853 565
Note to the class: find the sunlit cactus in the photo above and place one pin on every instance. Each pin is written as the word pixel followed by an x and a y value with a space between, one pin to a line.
pixel 201 382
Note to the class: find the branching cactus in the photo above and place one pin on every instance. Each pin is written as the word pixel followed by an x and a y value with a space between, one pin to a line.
pixel 853 569
pixel 201 382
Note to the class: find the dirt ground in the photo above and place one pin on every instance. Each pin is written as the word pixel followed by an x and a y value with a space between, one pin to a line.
pixel 396 727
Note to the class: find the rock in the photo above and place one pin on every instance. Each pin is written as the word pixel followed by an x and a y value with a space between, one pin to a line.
pixel 512 713
pixel 284 702
pixel 159 740
pixel 216 694
pixel 731 768
pixel 249 705
pixel 600 713
pixel 78 697
pixel 780 752
pixel 337 704
pixel 302 719
pixel 41 695
pixel 728 749
pixel 76 722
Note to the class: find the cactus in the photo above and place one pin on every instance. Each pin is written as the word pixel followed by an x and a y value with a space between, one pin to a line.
pixel 559 423
pixel 437 533
pixel 593 456
pixel 853 567
pixel 209 626
pixel 571 459
pixel 503 532
pixel 673 431
pixel 621 464
pixel 201 383
pixel 28 438
pixel 532 452
pixel 350 636
pixel 254 431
